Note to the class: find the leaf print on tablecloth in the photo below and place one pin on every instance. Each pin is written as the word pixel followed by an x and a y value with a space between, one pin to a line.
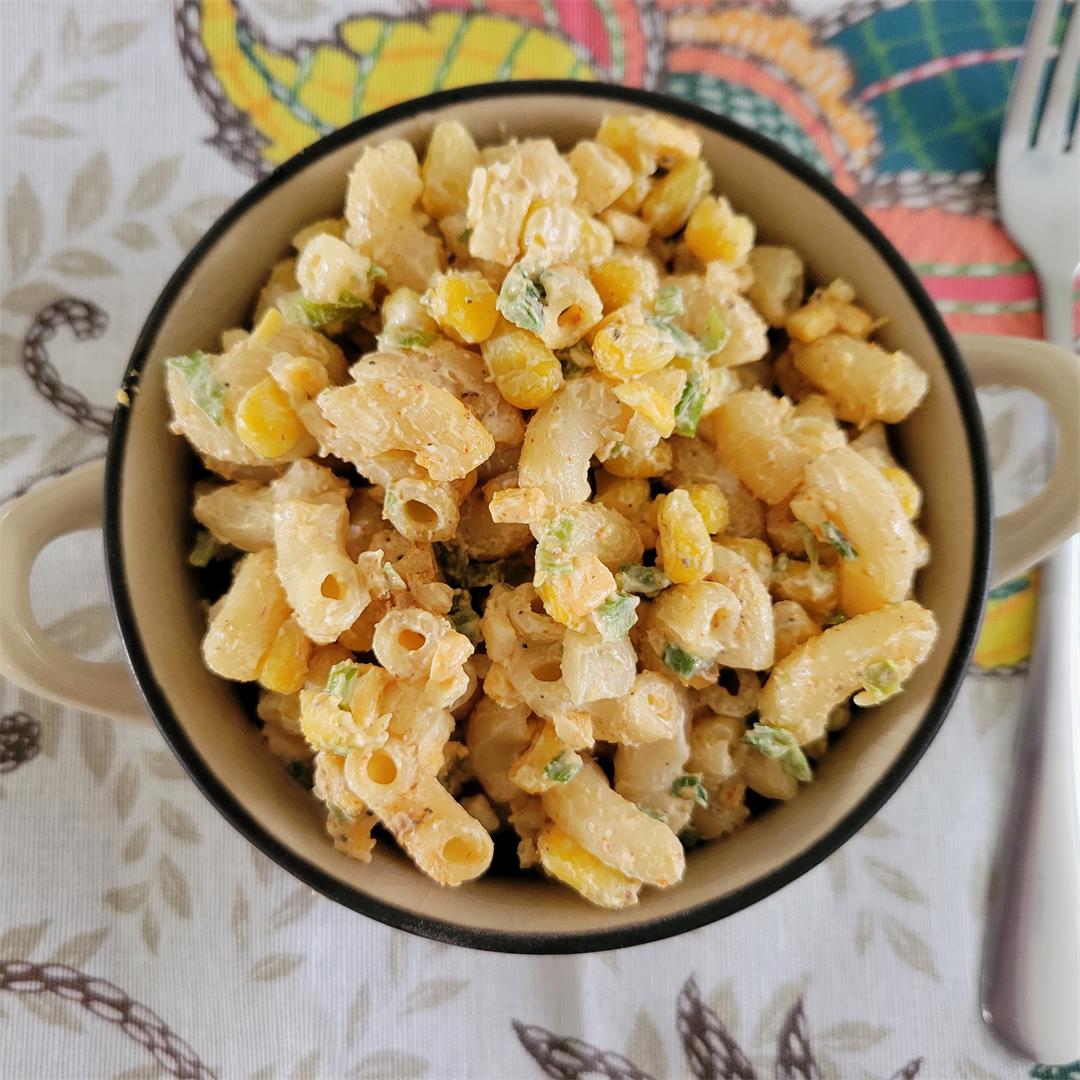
pixel 777 1010
pixel 836 867
pixel 150 930
pixel 179 823
pixel 70 35
pixel 174 887
pixel 10 350
pixel 82 90
pixel 24 226
pixel 295 906
pixel 89 195
pixel 431 994
pixel 646 1045
pixel 240 920
pixel 80 263
pixel 80 949
pixel 909 1071
pixel 11 446
pixel 894 879
pixel 20 740
pixel 28 80
pixel 42 127
pixel 29 299
pixel 153 184
pixel 127 898
pixel 163 764
pixel 113 38
pixel 135 235
pixel 853 1035
pixel 390 1065
pixel 793 1056
pixel 97 741
pixel 52 1010
pixel 572 1059
pixel 709 1048
pixel 908 947
pixel 137 843
pixel 725 1004
pixel 126 790
pixel 22 940
pixel 307 1068
pixel 38 985
pixel 275 966
pixel 359 1016
pixel 711 1051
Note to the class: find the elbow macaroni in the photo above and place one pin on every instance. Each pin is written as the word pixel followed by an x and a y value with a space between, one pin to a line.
pixel 574 515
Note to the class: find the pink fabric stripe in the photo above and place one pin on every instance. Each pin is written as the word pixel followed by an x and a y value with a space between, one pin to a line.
pixel 932 68
pixel 1006 289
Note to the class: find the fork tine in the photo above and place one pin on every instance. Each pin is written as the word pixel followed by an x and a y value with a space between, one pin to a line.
pixel 1054 125
pixel 1027 82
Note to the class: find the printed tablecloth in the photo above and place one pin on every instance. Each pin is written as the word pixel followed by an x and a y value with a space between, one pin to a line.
pixel 139 935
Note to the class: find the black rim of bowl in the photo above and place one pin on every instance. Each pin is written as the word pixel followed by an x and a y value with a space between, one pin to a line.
pixel 525 942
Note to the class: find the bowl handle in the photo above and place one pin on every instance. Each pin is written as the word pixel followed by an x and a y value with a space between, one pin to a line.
pixel 27 657
pixel 1031 532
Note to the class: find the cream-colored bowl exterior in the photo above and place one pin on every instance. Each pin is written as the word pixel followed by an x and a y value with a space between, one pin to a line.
pixel 155 475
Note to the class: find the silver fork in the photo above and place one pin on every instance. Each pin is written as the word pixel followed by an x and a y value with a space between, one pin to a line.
pixel 1031 954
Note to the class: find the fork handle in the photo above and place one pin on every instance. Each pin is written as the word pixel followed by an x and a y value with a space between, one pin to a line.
pixel 1059 325
pixel 1031 973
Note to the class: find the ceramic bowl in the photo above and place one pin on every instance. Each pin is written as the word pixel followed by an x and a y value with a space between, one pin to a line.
pixel 148 530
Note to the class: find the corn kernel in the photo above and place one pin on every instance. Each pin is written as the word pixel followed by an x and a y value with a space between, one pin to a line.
pixel 684 543
pixel 625 279
pixel 525 370
pixel 756 552
pixel 626 461
pixel 623 351
pixel 567 861
pixel 628 495
pixel 669 204
pixel 269 325
pixel 649 403
pixel 570 597
pixel 266 422
pixel 623 135
pixel 464 305
pixel 285 665
pixel 520 506
pixel 530 771
pixel 907 491
pixel 716 233
pixel 711 504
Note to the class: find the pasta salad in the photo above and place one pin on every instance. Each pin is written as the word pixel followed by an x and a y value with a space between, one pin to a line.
pixel 554 506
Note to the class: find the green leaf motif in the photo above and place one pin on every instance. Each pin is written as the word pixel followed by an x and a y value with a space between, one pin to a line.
pixel 203 386
pixel 646 581
pixel 681 662
pixel 840 543
pixel 690 405
pixel 780 745
pixel 521 300
pixel 562 768
pixel 616 615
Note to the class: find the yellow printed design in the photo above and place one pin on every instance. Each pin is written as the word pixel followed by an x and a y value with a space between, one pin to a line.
pixel 1009 624
pixel 271 102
